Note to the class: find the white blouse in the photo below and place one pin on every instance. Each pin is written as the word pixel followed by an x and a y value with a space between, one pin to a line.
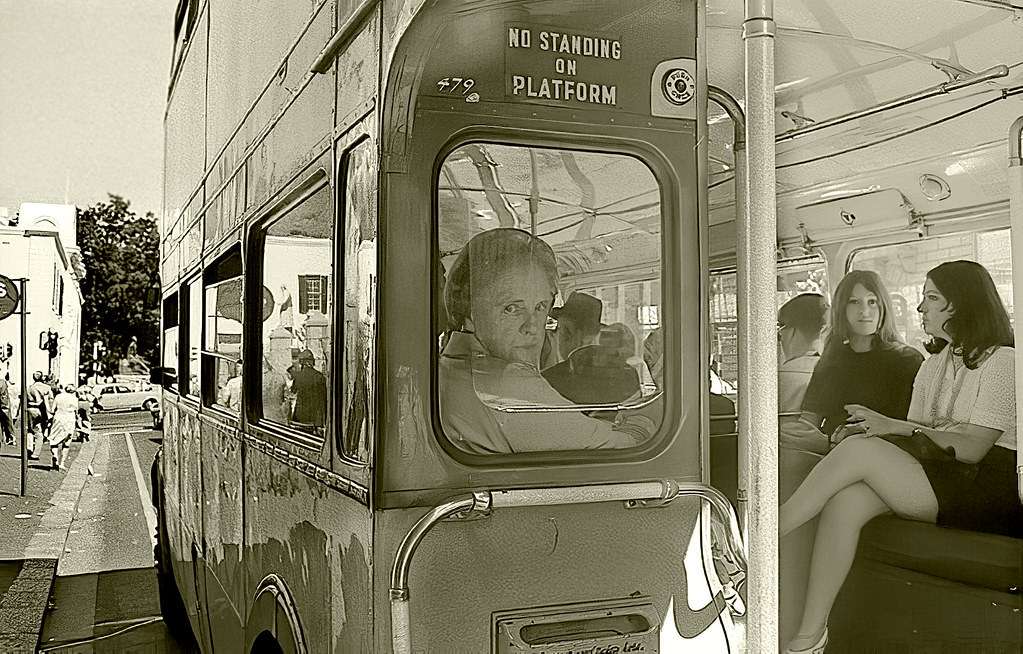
pixel 946 393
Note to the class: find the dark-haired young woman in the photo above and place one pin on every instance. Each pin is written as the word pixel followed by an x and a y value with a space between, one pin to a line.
pixel 951 463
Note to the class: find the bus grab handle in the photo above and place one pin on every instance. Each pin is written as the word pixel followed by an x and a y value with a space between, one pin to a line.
pixel 633 494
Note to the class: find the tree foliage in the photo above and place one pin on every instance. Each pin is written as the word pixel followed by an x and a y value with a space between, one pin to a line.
pixel 120 251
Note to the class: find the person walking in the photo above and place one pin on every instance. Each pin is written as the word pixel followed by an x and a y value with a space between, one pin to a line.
pixel 85 402
pixel 310 389
pixel 6 414
pixel 65 409
pixel 39 399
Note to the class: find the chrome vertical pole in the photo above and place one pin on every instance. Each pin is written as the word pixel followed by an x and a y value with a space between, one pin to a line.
pixel 738 118
pixel 1016 238
pixel 758 364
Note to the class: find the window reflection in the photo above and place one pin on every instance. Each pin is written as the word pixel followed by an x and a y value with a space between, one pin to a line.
pixel 359 311
pixel 298 282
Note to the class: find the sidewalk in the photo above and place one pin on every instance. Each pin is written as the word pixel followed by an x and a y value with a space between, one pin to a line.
pixel 33 529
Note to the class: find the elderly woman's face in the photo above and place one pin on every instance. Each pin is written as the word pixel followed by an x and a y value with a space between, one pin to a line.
pixel 510 312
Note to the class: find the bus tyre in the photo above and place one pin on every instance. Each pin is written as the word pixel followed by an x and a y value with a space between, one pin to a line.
pixel 171 605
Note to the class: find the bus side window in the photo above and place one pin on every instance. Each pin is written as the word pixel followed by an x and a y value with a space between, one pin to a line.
pixel 298 282
pixel 359 312
pixel 222 338
pixel 192 295
pixel 903 266
pixel 169 359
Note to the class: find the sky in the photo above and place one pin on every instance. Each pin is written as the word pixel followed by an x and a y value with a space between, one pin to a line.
pixel 82 90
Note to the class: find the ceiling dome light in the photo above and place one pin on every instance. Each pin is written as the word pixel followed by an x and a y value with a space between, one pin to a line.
pixel 934 188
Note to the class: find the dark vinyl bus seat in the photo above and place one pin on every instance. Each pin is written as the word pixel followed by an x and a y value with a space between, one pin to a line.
pixel 919 587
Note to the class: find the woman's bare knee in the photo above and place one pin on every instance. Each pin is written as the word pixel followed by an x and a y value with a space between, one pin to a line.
pixel 853 507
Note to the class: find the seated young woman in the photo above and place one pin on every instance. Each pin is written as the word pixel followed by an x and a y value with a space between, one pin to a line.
pixel 952 462
pixel 864 361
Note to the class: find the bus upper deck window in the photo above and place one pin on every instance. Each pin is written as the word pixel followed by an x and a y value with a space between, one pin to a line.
pixel 550 288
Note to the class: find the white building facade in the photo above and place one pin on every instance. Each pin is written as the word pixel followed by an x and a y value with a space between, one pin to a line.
pixel 42 248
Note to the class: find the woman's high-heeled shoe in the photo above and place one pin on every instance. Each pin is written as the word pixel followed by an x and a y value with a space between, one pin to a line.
pixel 816 648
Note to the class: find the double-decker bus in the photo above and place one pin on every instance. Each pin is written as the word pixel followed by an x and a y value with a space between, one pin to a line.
pixel 454 292
pixel 336 475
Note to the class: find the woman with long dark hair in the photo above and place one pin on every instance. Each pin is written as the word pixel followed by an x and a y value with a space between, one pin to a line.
pixel 951 463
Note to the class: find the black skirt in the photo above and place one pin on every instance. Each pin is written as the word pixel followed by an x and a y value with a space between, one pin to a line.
pixel 978 497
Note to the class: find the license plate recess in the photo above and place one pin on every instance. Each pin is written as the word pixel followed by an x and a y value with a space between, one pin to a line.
pixel 601 627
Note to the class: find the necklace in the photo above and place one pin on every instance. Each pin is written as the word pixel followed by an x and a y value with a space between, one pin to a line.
pixel 957 386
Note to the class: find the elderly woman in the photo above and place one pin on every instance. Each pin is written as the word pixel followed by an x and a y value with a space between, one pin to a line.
pixel 498 294
pixel 951 463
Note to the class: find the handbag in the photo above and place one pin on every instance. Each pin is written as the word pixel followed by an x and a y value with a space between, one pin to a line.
pixel 933 457
pixel 921 447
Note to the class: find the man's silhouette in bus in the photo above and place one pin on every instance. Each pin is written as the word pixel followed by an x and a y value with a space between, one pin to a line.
pixel 497 296
pixel 591 372
pixel 800 323
pixel 310 389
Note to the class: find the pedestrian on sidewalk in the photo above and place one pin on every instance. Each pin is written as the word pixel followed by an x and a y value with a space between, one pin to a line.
pixel 6 413
pixel 85 403
pixel 40 406
pixel 65 410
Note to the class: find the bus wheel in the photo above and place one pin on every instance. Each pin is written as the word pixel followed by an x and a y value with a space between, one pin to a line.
pixel 171 605
pixel 265 643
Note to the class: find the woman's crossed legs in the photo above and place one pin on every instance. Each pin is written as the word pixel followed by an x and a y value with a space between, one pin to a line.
pixel 859 480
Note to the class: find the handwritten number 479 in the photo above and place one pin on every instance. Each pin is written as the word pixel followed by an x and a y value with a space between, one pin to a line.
pixel 455 85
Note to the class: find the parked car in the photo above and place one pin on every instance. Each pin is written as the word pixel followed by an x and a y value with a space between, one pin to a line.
pixel 120 395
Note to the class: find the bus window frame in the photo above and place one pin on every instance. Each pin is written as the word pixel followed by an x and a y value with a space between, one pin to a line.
pixel 213 277
pixel 911 238
pixel 173 298
pixel 185 385
pixel 312 182
pixel 355 138
pixel 671 258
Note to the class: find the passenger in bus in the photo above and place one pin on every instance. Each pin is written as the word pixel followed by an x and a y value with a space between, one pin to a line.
pixel 310 389
pixel 951 463
pixel 231 392
pixel 498 294
pixel 620 333
pixel 591 372
pixel 653 346
pixel 801 321
pixel 864 360
pixel 274 392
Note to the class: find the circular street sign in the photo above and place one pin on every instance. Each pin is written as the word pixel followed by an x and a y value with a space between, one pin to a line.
pixel 8 297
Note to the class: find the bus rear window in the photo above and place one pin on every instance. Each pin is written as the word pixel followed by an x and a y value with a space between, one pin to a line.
pixel 548 299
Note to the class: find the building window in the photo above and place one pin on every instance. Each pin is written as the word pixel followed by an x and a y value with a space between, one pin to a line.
pixel 312 293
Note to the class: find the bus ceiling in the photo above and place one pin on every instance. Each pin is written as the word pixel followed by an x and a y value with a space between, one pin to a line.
pixel 933 94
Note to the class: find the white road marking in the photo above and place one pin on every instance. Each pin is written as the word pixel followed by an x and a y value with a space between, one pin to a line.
pixel 140 481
